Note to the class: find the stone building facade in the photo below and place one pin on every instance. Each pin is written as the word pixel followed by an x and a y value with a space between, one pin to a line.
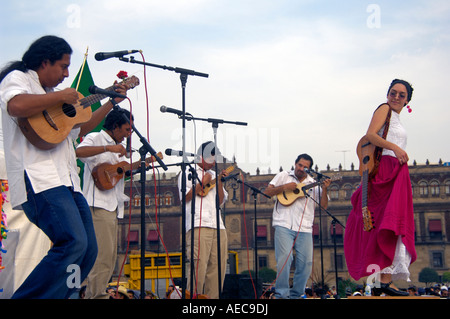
pixel 243 214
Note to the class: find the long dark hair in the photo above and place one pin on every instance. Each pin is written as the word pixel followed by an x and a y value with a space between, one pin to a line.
pixel 48 47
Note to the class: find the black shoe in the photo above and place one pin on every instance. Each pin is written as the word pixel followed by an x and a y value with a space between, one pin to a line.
pixel 388 290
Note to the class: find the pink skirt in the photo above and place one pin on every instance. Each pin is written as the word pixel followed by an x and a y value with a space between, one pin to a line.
pixel 390 203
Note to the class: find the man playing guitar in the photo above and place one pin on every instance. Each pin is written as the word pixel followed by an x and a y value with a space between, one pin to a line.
pixel 293 227
pixel 106 205
pixel 45 183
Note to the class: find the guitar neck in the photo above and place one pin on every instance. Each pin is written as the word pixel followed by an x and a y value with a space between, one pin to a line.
pixel 94 98
pixel 87 101
pixel 365 181
pixel 333 178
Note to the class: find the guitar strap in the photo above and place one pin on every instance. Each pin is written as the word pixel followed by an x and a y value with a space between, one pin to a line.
pixel 379 150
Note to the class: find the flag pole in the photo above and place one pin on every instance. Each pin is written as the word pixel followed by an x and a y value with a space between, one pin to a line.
pixel 82 67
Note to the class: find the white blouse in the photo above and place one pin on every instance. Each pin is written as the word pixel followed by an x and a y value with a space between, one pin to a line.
pixel 396 134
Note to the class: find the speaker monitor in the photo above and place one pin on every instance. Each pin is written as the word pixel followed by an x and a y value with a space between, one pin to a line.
pixel 240 287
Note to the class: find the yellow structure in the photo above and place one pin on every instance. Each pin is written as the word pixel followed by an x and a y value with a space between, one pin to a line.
pixel 157 266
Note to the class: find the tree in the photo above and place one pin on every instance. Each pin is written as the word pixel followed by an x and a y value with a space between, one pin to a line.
pixel 267 275
pixel 428 275
pixel 446 277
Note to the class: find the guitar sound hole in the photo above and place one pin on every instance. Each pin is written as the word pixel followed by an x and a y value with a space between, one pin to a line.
pixel 296 191
pixel 119 170
pixel 366 159
pixel 69 110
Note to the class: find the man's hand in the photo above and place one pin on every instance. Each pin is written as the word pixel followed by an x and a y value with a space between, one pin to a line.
pixel 68 96
pixel 118 148
pixel 326 183
pixel 289 187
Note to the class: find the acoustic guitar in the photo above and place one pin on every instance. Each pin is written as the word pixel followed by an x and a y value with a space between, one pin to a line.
pixel 366 154
pixel 206 188
pixel 50 127
pixel 369 156
pixel 106 175
pixel 287 198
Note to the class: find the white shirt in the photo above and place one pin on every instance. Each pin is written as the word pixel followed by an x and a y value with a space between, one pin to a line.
pixel 205 207
pixel 110 199
pixel 396 134
pixel 299 216
pixel 46 169
pixel 3 174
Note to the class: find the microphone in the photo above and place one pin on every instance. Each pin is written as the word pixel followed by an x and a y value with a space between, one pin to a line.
pixel 100 56
pixel 165 109
pixel 112 94
pixel 128 147
pixel 225 178
pixel 311 171
pixel 172 152
pixel 306 187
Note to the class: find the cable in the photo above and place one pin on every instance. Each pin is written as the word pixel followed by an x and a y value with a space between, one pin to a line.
pixel 129 208
pixel 292 249
pixel 154 180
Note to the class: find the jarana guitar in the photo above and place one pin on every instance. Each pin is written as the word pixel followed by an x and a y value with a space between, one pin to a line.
pixel 106 175
pixel 287 198
pixel 206 188
pixel 50 127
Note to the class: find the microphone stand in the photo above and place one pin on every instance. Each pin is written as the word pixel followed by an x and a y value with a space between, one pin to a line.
pixel 145 148
pixel 334 220
pixel 215 125
pixel 255 193
pixel 183 78
pixel 194 177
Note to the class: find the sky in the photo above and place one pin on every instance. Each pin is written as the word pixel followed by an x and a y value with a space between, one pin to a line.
pixel 304 75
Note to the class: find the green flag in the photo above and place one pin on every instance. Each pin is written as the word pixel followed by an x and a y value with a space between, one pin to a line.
pixel 83 87
pixel 82 82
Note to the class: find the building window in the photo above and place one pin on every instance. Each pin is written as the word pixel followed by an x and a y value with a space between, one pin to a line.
pixel 133 238
pixel 316 232
pixel 334 192
pixel 148 200
pixel 348 189
pixel 159 200
pixel 339 233
pixel 261 235
pixel 437 259
pixel 153 239
pixel 137 201
pixel 168 199
pixel 263 199
pixel 262 262
pixel 340 262
pixel 434 188
pixel 447 188
pixel 435 229
pixel 423 189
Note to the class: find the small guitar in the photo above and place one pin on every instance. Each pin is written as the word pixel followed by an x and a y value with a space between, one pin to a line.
pixel 50 127
pixel 287 198
pixel 366 154
pixel 206 188
pixel 106 175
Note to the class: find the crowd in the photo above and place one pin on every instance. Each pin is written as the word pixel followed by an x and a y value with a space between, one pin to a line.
pixel 439 290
